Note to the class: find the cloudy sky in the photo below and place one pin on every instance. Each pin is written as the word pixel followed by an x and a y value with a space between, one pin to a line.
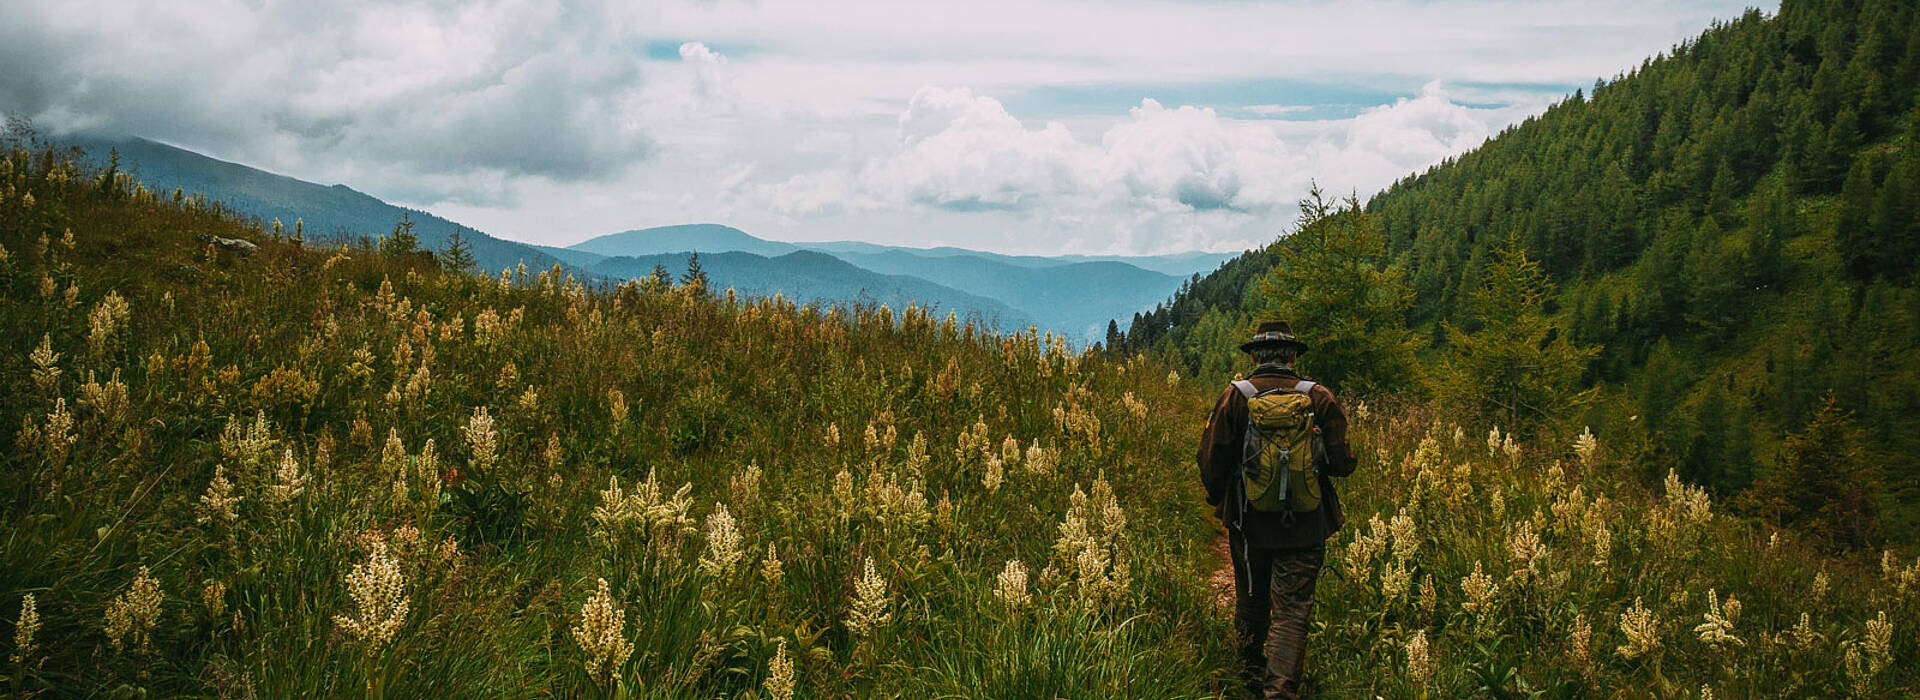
pixel 1027 126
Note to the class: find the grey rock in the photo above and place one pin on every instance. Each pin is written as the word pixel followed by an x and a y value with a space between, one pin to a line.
pixel 237 246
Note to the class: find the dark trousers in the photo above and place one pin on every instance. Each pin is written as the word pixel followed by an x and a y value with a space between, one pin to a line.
pixel 1273 612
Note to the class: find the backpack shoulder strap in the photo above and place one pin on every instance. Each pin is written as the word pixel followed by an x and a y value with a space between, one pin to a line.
pixel 1245 387
pixel 1305 386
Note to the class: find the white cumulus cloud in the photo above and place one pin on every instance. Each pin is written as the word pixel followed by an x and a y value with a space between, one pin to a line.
pixel 557 120
pixel 962 151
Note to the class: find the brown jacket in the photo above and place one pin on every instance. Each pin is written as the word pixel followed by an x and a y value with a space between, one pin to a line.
pixel 1219 460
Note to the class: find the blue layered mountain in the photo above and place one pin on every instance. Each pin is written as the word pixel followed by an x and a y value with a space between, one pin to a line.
pixel 1180 265
pixel 682 239
pixel 1073 295
pixel 806 276
pixel 1076 298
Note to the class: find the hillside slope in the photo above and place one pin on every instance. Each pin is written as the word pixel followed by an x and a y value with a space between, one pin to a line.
pixel 1709 217
pixel 330 213
pixel 324 472
pixel 1734 224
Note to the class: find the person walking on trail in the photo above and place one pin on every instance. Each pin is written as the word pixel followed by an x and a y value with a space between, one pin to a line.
pixel 1271 444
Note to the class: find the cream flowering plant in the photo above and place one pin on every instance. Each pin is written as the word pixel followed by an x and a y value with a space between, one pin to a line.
pixel 327 469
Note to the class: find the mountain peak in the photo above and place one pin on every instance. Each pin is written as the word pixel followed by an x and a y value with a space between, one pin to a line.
pixel 681 238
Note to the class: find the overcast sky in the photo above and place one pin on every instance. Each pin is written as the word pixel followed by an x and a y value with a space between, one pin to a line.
pixel 1026 126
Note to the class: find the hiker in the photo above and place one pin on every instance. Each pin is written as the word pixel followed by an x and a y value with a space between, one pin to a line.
pixel 1278 505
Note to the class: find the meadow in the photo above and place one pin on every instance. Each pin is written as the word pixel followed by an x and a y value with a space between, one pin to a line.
pixel 363 470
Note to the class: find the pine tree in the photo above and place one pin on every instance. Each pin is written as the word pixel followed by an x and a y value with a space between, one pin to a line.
pixel 1820 485
pixel 1853 232
pixel 695 280
pixel 1332 285
pixel 1519 367
pixel 401 241
pixel 1843 139
pixel 1770 222
pixel 1894 221
pixel 457 254
pixel 1713 290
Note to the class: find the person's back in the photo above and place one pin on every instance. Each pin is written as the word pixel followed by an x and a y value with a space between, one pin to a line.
pixel 1277 552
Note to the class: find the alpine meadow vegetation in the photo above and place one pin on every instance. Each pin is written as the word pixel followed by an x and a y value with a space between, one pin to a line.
pixel 363 470
pixel 307 471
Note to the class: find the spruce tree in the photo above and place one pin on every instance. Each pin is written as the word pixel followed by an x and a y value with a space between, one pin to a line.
pixel 1853 235
pixel 401 241
pixel 1820 484
pixel 457 254
pixel 1520 367
pixel 660 280
pixel 695 280
pixel 1894 220
pixel 1333 286
pixel 1770 222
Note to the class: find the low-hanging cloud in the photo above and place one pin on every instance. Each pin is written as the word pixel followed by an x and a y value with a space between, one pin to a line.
pixel 962 152
pixel 452 97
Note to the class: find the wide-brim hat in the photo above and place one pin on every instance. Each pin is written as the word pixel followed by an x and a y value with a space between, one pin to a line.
pixel 1273 333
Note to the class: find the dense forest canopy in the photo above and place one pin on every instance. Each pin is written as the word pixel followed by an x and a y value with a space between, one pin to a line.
pixel 1733 225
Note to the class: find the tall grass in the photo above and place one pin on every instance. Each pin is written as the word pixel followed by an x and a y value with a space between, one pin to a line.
pixel 297 420
pixel 1546 569
pixel 355 474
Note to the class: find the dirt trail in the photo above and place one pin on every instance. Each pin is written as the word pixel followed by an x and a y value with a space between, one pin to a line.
pixel 1222 578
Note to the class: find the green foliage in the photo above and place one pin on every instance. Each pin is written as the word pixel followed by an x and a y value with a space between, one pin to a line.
pixel 1740 211
pixel 1565 548
pixel 1166 328
pixel 457 254
pixel 331 214
pixel 233 368
pixel 401 241
pixel 1211 349
pixel 1821 484
pixel 1332 285
pixel 253 429
pixel 1517 368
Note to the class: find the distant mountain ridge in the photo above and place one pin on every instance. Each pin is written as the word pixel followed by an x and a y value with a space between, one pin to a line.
pixel 682 239
pixel 1074 295
pixel 807 276
pixel 1080 297
pixel 685 238
pixel 1176 264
